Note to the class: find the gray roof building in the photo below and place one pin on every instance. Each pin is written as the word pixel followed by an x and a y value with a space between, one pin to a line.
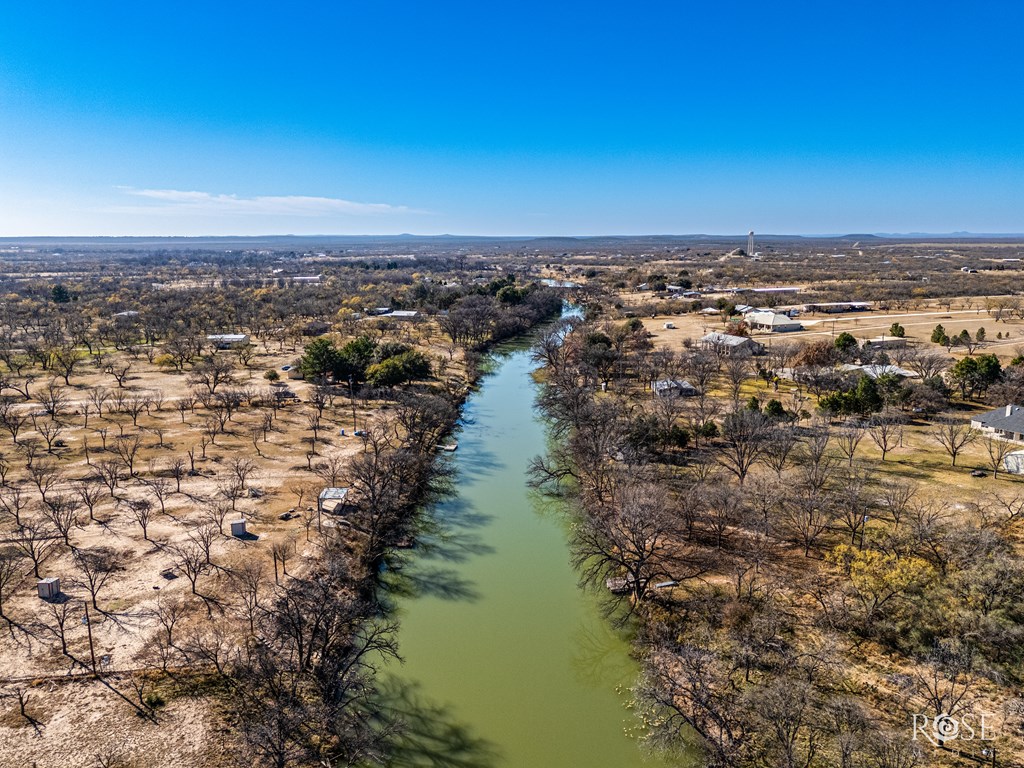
pixel 1006 422
pixel 772 321
pixel 727 344
pixel 668 387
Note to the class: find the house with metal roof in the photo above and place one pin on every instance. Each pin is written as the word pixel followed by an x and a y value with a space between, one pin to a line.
pixel 673 388
pixel 874 371
pixel 772 322
pixel 228 340
pixel 727 344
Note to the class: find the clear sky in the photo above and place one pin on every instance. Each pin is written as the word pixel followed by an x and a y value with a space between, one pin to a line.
pixel 508 118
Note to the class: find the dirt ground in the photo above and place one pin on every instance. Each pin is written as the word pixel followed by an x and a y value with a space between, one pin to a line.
pixel 81 721
pixel 863 325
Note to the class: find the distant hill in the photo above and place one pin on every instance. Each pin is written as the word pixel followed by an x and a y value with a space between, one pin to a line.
pixel 553 242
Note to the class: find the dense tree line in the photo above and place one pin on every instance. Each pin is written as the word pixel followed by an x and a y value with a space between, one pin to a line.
pixel 764 561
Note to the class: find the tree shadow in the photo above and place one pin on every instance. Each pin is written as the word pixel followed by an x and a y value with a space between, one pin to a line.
pixel 424 581
pixel 475 462
pixel 448 532
pixel 419 733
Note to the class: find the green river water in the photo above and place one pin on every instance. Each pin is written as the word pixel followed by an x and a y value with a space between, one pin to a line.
pixel 507 662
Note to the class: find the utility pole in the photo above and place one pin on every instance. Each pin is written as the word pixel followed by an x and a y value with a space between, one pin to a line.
pixel 352 398
pixel 88 627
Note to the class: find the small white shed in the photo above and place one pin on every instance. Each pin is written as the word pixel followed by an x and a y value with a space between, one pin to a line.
pixel 49 588
pixel 1013 463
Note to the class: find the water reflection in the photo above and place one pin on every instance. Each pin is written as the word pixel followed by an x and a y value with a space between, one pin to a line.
pixel 420 733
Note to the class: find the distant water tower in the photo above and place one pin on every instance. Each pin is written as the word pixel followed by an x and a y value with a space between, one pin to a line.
pixel 750 243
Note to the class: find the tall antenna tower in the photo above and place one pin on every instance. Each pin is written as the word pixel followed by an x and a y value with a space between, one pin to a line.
pixel 750 243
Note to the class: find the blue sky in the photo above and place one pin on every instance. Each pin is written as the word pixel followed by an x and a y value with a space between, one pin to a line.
pixel 510 118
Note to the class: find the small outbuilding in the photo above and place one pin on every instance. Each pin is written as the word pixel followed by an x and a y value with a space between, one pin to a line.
pixel 332 500
pixel 49 588
pixel 1013 463
pixel 228 340
pixel 673 388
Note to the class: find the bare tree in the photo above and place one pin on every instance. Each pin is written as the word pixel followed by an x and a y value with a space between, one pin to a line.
pixel 330 469
pixel 886 431
pixel 953 435
pixel 217 512
pixel 744 434
pixel 98 396
pixel 62 615
pixel 121 371
pixel 231 489
pixel 185 405
pixel 249 583
pixel 192 561
pixel 161 489
pixel 848 437
pixel 806 515
pixel 37 541
pixel 54 401
pixel 997 451
pixel 636 539
pixel 927 363
pixel 134 406
pixel 12 420
pixel 12 503
pixel 946 680
pixel 242 468
pixel 280 551
pixel 127 448
pixel 213 372
pixel 45 476
pixel 177 470
pixel 11 572
pixel 51 432
pixel 895 497
pixel 778 448
pixel 62 511
pixel 737 370
pixel 97 566
pixel 110 475
pixel 314 425
pixel 141 511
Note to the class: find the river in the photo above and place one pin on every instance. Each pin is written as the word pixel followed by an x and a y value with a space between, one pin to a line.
pixel 507 662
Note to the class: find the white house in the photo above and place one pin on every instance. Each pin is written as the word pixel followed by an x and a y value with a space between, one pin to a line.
pixel 1006 422
pixel 874 371
pixel 727 344
pixel 772 322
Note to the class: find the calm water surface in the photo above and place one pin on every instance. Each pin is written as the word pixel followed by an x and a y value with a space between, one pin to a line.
pixel 507 662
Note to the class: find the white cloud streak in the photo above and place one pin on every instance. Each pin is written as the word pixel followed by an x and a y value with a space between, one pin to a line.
pixel 172 201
